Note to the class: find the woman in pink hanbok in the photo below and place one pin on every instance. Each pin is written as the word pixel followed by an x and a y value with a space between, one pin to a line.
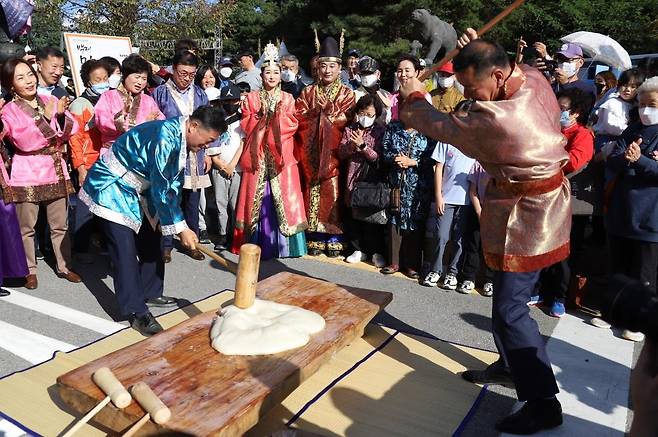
pixel 119 110
pixel 38 127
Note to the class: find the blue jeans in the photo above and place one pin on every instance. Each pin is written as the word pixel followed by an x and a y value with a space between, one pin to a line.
pixel 448 226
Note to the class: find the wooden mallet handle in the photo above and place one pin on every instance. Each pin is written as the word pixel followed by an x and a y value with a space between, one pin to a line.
pixel 227 264
pixel 154 407
pixel 481 31
pixel 115 392
pixel 247 276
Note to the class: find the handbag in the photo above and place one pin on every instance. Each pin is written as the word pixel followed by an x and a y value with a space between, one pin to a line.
pixel 370 192
pixel 378 217
pixel 394 203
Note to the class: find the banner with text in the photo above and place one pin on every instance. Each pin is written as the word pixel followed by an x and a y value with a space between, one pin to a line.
pixel 81 48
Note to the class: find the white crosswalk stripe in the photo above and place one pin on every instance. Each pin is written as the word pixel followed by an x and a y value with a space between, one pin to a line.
pixel 8 429
pixel 30 346
pixel 61 312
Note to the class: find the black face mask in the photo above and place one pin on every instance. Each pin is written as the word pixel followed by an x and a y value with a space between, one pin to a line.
pixel 599 87
pixel 231 108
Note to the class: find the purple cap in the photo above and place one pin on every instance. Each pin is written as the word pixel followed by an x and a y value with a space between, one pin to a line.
pixel 570 51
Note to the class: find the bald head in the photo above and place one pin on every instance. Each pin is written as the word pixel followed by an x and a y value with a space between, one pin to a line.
pixel 482 56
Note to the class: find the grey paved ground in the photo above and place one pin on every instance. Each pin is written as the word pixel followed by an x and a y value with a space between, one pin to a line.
pixel 448 316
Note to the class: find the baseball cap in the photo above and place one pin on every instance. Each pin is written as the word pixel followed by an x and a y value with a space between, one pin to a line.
pixel 446 68
pixel 225 60
pixel 353 52
pixel 212 93
pixel 570 51
pixel 230 92
pixel 244 87
pixel 368 65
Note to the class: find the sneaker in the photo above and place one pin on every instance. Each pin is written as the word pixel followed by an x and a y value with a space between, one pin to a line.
pixel 632 336
pixel 431 280
pixel 204 238
pixel 535 300
pixel 487 289
pixel 466 287
pixel 145 325
pixel 357 256
pixel 449 282
pixel 378 260
pixel 599 323
pixel 557 309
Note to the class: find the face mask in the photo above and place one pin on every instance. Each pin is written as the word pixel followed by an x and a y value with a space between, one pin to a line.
pixel 649 116
pixel 365 121
pixel 100 88
pixel 114 81
pixel 446 82
pixel 287 75
pixel 231 108
pixel 225 72
pixel 369 80
pixel 569 68
pixel 565 119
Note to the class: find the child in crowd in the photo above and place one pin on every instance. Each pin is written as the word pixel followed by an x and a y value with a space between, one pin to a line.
pixel 450 192
pixel 225 154
pixel 472 243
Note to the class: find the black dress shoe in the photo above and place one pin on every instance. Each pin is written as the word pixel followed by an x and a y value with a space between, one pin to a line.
pixel 533 417
pixel 162 301
pixel 495 373
pixel 145 325
pixel 166 256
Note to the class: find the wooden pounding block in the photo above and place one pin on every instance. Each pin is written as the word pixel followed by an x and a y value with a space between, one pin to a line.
pixel 213 394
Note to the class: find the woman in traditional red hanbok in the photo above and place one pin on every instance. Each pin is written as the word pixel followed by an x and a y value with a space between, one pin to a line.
pixel 270 210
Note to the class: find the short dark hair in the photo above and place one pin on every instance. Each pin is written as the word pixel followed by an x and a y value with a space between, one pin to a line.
pixel 46 52
pixel 579 101
pixel 482 55
pixel 632 76
pixel 8 70
pixel 210 117
pixel 92 65
pixel 245 52
pixel 185 57
pixel 111 62
pixel 186 44
pixel 134 64
pixel 411 58
pixel 202 72
pixel 369 100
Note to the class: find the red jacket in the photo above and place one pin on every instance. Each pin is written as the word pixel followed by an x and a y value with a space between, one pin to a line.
pixel 580 147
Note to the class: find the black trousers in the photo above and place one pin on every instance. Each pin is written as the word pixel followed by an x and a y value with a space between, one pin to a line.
pixel 517 337
pixel 138 267
pixel 190 205
pixel 365 237
pixel 472 256
pixel 634 258
pixel 403 247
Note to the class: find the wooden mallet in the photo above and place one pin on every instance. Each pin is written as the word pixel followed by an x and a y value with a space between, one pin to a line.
pixel 154 407
pixel 246 272
pixel 481 31
pixel 115 391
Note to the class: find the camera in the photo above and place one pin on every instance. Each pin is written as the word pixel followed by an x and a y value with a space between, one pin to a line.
pixel 629 304
pixel 550 65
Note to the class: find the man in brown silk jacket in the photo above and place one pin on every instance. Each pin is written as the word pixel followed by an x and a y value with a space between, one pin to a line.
pixel 512 128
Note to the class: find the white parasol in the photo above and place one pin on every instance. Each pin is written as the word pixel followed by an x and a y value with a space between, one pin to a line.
pixel 601 48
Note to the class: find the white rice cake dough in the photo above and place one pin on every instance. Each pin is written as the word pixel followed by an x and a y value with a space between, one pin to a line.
pixel 264 328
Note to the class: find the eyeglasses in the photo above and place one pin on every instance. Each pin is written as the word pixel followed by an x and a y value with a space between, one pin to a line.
pixel 186 74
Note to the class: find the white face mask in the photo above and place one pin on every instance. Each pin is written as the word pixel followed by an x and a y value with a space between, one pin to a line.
pixel 446 82
pixel 649 116
pixel 225 72
pixel 287 75
pixel 369 80
pixel 569 68
pixel 365 121
pixel 114 81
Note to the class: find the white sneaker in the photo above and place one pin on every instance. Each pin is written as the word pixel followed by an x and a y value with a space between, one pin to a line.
pixel 357 256
pixel 466 287
pixel 632 336
pixel 378 260
pixel 449 282
pixel 432 279
pixel 487 289
pixel 600 323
